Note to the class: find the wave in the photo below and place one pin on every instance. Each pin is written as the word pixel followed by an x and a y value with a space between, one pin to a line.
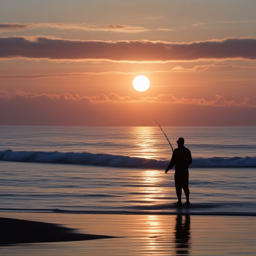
pixel 117 160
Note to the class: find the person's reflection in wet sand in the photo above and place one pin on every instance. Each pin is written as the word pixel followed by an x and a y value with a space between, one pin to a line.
pixel 182 234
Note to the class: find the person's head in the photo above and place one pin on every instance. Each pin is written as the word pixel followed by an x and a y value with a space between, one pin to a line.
pixel 180 142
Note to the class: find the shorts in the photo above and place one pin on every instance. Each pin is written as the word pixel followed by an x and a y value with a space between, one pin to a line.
pixel 181 179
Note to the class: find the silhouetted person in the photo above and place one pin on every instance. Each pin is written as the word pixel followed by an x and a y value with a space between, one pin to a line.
pixel 181 158
pixel 182 234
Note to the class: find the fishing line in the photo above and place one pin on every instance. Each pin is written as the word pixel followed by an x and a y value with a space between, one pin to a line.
pixel 163 132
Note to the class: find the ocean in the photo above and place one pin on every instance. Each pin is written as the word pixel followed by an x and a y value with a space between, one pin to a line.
pixel 120 170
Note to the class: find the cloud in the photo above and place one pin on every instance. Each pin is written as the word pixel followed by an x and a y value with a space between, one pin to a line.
pixel 24 108
pixel 112 97
pixel 197 24
pixel 177 68
pixel 166 29
pixel 59 75
pixel 199 68
pixel 60 49
pixel 12 26
pixel 70 26
pixel 218 100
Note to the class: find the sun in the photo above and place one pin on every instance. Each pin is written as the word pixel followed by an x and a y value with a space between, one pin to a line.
pixel 141 83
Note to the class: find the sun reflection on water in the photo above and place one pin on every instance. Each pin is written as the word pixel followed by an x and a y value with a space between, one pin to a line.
pixel 154 194
pixel 145 142
pixel 177 236
pixel 154 231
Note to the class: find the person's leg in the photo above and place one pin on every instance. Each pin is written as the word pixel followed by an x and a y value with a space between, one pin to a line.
pixel 178 187
pixel 187 192
pixel 185 187
pixel 178 192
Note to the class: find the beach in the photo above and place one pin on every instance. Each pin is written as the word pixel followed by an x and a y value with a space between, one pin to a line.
pixel 145 235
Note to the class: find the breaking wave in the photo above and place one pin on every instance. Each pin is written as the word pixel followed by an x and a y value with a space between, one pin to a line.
pixel 117 160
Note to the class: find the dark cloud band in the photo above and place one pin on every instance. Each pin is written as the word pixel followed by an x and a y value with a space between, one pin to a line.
pixel 60 49
pixel 12 26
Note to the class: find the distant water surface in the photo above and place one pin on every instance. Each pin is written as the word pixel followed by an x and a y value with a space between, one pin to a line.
pixel 133 147
pixel 148 142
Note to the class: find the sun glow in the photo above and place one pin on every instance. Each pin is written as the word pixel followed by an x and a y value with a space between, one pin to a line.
pixel 141 83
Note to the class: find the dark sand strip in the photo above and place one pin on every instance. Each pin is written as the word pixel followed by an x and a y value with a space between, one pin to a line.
pixel 13 231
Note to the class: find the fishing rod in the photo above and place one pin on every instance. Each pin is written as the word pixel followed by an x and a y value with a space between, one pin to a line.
pixel 163 132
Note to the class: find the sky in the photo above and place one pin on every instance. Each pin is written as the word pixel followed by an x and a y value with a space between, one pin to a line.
pixel 72 62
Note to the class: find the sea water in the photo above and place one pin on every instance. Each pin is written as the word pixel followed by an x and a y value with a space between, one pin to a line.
pixel 121 170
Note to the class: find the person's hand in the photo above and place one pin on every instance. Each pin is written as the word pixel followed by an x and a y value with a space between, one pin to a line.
pixel 166 170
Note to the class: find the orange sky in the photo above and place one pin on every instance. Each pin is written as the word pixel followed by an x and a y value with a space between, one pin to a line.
pixel 66 62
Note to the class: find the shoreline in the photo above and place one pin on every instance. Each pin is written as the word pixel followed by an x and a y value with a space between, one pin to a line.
pixel 179 211
pixel 139 234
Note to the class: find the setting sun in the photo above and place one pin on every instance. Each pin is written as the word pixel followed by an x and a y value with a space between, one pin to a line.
pixel 141 83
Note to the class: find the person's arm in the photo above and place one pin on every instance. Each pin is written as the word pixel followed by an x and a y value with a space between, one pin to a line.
pixel 172 162
pixel 190 158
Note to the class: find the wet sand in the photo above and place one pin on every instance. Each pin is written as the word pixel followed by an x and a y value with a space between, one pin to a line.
pixel 143 235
